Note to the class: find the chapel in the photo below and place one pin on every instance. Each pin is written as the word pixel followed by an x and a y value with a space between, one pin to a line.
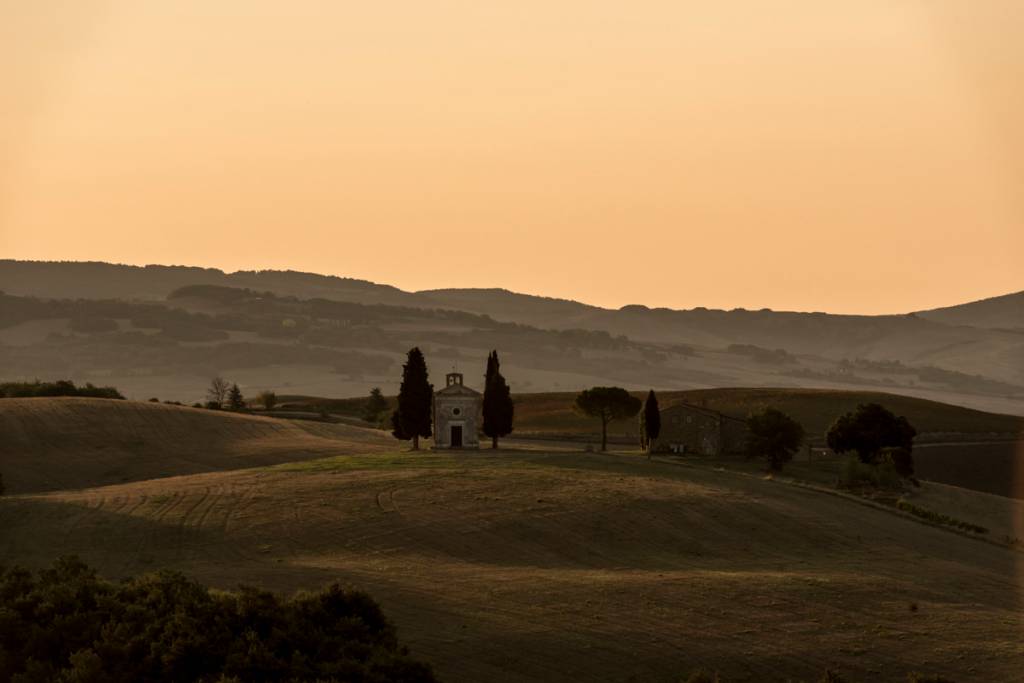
pixel 456 414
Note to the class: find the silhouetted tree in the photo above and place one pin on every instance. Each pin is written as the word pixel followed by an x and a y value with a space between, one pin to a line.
pixel 607 404
pixel 396 427
pixel 268 399
pixel 774 435
pixel 217 392
pixel 869 429
pixel 415 399
pixel 902 461
pixel 375 405
pixel 498 407
pixel 650 423
pixel 236 401
pixel 1 484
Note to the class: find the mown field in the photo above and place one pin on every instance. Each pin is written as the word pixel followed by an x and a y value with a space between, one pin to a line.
pixel 548 564
pixel 51 444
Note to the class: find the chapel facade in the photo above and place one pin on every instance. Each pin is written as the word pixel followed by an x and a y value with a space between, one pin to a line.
pixel 457 410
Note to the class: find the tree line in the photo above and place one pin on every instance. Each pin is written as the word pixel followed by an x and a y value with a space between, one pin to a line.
pixel 65 624
pixel 61 387
pixel 875 434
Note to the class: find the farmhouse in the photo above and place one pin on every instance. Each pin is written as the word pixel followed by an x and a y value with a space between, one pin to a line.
pixel 688 428
pixel 456 414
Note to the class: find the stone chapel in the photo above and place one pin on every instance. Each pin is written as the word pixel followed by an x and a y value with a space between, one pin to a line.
pixel 456 414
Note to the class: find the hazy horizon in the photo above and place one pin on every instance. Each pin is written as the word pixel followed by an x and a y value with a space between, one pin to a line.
pixel 858 158
pixel 549 295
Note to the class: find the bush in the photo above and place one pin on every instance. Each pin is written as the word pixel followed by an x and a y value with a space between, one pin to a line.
pixel 65 624
pixel 856 474
pixel 901 459
pixel 939 518
pixel 61 387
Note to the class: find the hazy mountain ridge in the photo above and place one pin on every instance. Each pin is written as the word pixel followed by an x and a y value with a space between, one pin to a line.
pixel 998 312
pixel 641 347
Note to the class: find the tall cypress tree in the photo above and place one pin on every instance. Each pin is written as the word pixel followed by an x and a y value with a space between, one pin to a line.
pixel 650 422
pixel 415 400
pixel 498 408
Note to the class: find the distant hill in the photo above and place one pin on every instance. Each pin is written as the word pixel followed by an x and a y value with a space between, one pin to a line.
pixel 262 325
pixel 999 312
pixel 51 444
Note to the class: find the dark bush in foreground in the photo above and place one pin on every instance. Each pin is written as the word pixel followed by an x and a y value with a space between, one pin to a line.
pixel 61 387
pixel 65 624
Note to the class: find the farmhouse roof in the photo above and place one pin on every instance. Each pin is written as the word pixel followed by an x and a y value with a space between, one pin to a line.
pixel 683 405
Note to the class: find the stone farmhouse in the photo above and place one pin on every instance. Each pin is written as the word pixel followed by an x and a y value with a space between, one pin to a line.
pixel 457 410
pixel 688 428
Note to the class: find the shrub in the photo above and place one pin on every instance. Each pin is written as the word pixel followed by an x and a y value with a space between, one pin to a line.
pixel 901 459
pixel 65 624
pixel 61 387
pixel 268 399
pixel 939 518
pixel 856 474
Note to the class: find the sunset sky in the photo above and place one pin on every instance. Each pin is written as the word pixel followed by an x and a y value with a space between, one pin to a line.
pixel 849 156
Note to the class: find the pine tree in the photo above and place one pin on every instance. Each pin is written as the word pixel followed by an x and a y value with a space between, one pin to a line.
pixel 650 422
pixel 607 404
pixel 375 405
pixel 498 406
pixel 235 400
pixel 415 400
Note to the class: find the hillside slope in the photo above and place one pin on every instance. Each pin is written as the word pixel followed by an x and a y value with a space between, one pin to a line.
pixel 49 444
pixel 526 566
pixel 347 335
pixel 998 312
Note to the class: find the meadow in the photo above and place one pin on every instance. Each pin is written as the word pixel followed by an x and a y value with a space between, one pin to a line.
pixel 533 562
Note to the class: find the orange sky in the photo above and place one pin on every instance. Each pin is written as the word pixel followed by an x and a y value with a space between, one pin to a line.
pixel 848 156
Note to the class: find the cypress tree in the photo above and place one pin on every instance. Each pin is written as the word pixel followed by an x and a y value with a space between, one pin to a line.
pixel 498 407
pixel 236 401
pixel 415 400
pixel 650 422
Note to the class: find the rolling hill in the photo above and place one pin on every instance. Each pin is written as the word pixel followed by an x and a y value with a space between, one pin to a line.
pixel 999 312
pixel 525 565
pixel 164 330
pixel 49 444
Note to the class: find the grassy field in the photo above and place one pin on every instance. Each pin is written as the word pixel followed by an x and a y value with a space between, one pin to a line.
pixel 64 443
pixel 532 564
